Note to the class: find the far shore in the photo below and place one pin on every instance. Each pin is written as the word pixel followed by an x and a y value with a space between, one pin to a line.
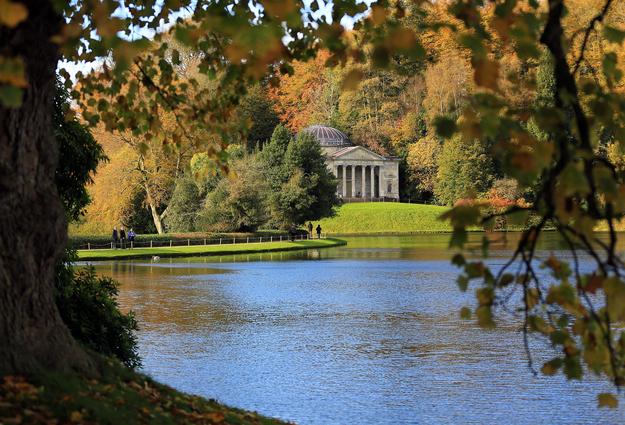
pixel 206 250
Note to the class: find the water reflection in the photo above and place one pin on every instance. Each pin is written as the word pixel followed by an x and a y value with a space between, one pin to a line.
pixel 366 333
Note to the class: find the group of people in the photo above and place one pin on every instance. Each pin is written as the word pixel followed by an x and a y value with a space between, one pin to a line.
pixel 293 231
pixel 121 238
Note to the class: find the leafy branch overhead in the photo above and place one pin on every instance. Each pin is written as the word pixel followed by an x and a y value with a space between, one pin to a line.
pixel 553 150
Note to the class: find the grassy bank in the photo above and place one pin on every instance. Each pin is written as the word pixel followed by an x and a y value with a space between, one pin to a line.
pixel 385 217
pixel 190 251
pixel 118 396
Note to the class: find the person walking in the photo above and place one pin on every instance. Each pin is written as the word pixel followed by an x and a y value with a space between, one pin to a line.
pixel 131 237
pixel 319 231
pixel 122 237
pixel 310 227
pixel 115 237
pixel 293 232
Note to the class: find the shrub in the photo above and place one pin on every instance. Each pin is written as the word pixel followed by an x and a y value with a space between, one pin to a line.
pixel 89 309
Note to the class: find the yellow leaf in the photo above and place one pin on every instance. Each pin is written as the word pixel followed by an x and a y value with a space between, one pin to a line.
pixel 607 400
pixel 378 13
pixel 75 416
pixel 352 79
pixel 486 73
pixel 12 13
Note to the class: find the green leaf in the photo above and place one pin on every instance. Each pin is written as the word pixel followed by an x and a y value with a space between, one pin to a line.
pixel 607 400
pixel 463 282
pixel 613 35
pixel 465 313
pixel 506 279
pixel 11 97
pixel 445 127
pixel 551 368
pixel 458 260
pixel 458 238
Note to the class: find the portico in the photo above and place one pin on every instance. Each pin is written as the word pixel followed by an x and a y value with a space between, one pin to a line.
pixel 364 176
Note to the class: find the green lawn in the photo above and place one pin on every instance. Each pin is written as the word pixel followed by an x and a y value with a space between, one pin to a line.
pixel 385 217
pixel 201 250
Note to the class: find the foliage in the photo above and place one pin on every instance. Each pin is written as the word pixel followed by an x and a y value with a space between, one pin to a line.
pixel 88 308
pixel 301 187
pixel 579 312
pixel 237 204
pixel 184 206
pixel 463 168
pixel 79 156
pixel 136 216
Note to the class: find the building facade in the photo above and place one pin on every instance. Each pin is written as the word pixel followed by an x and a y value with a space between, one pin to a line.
pixel 363 175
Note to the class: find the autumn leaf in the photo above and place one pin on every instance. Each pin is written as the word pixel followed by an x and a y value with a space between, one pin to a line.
pixel 486 73
pixel 352 80
pixel 12 13
pixel 607 400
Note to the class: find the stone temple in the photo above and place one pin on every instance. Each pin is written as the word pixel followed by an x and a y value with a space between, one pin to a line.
pixel 364 176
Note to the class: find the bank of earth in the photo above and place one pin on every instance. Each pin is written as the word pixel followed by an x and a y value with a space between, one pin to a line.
pixel 117 396
pixel 206 250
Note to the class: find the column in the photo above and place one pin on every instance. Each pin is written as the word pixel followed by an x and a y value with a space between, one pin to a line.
pixel 381 182
pixel 353 177
pixel 373 181
pixel 344 181
pixel 364 181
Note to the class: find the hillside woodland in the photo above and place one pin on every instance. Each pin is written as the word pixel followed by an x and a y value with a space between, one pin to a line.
pixel 392 112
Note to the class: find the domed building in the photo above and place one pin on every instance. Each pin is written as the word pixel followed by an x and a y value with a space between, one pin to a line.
pixel 364 176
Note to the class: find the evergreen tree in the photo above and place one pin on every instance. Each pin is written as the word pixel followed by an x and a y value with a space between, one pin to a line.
pixel 308 189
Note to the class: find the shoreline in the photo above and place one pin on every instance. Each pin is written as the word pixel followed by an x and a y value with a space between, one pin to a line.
pixel 205 250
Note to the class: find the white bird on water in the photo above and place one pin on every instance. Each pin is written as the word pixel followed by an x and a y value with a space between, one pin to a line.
pixel 155 258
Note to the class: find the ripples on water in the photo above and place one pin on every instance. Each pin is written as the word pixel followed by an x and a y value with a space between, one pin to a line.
pixel 364 334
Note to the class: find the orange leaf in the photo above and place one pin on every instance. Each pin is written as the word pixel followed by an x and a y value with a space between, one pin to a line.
pixel 486 73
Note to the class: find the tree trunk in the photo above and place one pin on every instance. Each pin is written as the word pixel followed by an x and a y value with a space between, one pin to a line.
pixel 33 226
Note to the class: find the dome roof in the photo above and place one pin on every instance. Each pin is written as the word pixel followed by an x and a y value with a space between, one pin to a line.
pixel 328 136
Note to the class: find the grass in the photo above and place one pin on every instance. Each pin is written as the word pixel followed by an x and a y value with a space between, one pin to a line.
pixel 386 217
pixel 208 250
pixel 118 396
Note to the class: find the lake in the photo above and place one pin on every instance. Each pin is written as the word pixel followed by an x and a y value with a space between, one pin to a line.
pixel 367 333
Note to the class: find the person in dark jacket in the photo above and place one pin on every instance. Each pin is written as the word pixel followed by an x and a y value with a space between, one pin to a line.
pixel 115 237
pixel 122 237
pixel 293 232
pixel 310 227
pixel 319 231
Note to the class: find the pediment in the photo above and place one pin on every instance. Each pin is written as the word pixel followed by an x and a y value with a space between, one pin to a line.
pixel 355 153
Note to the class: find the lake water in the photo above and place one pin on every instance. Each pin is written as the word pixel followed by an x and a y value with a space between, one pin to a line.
pixel 368 333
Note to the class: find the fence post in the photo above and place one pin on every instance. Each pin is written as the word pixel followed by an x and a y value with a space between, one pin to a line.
pixel 219 241
pixel 280 238
pixel 234 241
pixel 89 246
pixel 132 243
pixel 188 242
pixel 150 244
pixel 170 242
pixel 111 245
pixel 248 239
pixel 271 240
pixel 261 239
pixel 204 241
